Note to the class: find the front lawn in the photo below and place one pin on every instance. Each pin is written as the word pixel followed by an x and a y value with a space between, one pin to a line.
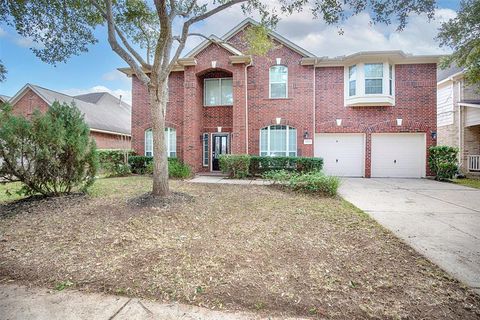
pixel 468 182
pixel 231 247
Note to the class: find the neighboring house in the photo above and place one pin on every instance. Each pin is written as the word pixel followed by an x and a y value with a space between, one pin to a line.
pixel 4 99
pixel 458 117
pixel 370 114
pixel 109 118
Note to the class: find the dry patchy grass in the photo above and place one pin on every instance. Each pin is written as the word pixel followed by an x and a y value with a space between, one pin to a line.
pixel 228 247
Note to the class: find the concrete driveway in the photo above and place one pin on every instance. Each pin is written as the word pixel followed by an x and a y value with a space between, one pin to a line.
pixel 440 220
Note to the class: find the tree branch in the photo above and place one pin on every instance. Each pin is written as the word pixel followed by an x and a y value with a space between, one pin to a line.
pixel 122 37
pixel 112 40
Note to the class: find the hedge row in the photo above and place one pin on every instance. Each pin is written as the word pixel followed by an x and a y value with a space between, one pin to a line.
pixel 113 162
pixel 242 165
pixel 144 165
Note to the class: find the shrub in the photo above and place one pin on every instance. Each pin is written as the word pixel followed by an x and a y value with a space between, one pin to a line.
pixel 315 182
pixel 138 164
pixel 114 162
pixel 261 164
pixel 443 161
pixel 144 165
pixel 51 154
pixel 235 165
pixel 278 176
pixel 177 169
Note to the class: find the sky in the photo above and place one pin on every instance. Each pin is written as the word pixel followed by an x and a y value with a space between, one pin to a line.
pixel 96 70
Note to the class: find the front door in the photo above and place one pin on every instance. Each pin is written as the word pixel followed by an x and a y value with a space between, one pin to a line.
pixel 220 146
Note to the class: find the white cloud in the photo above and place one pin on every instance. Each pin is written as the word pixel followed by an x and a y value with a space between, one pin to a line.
pixel 359 34
pixel 126 95
pixel 27 42
pixel 116 75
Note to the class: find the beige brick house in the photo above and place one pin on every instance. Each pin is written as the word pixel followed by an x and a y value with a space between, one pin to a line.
pixel 458 117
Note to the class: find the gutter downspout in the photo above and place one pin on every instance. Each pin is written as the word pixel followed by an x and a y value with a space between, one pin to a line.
pixel 246 105
pixel 460 138
pixel 314 106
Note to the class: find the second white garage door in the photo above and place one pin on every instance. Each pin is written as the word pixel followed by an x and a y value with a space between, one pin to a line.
pixel 343 154
pixel 399 155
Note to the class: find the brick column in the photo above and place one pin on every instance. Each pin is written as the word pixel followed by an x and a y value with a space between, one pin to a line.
pixel 368 155
pixel 239 134
pixel 192 120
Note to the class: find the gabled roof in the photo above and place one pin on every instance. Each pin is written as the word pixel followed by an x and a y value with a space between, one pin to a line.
pixel 223 41
pixel 453 70
pixel 4 98
pixel 102 111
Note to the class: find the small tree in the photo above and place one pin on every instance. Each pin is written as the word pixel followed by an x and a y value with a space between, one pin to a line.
pixel 50 154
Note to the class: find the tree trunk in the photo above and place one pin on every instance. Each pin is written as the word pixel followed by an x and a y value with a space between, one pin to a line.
pixel 158 104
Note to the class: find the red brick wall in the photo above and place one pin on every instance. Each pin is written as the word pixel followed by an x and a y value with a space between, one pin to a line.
pixel 415 103
pixel 30 101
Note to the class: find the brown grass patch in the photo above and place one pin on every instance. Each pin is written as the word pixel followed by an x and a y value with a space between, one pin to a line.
pixel 229 247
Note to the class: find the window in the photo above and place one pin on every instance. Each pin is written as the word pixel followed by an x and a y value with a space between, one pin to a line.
pixel 352 80
pixel 205 150
pixel 373 78
pixel 278 82
pixel 390 79
pixel 170 142
pixel 278 141
pixel 218 92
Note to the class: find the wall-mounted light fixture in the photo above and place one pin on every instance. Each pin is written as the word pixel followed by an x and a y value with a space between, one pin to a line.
pixel 339 122
pixel 219 129
pixel 214 64
pixel 278 120
pixel 434 135
pixel 399 121
pixel 305 135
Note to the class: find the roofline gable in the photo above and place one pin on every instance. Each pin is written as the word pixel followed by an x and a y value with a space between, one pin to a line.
pixel 239 27
pixel 24 90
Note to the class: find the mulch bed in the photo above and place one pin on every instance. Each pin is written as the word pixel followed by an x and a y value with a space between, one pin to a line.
pixel 228 247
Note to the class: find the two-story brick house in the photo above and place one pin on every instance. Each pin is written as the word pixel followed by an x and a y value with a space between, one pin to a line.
pixel 369 114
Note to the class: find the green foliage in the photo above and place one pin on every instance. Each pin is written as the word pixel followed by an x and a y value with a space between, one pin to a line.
pixel 443 161
pixel 311 182
pixel 462 35
pixel 261 164
pixel 259 43
pixel 178 170
pixel 315 182
pixel 3 72
pixel 114 162
pixel 50 154
pixel 63 285
pixel 278 176
pixel 144 165
pixel 138 164
pixel 235 165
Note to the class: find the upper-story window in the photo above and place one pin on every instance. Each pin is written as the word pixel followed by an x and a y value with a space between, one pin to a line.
pixel 278 82
pixel 218 92
pixel 373 78
pixel 370 84
pixel 352 80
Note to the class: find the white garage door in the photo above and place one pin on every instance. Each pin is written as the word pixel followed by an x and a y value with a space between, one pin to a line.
pixel 398 155
pixel 343 154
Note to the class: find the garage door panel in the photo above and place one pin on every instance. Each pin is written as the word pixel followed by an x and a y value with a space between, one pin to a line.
pixel 343 154
pixel 398 155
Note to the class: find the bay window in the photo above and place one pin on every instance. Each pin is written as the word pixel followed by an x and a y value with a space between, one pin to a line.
pixel 370 84
pixel 218 92
pixel 278 84
pixel 170 142
pixel 278 140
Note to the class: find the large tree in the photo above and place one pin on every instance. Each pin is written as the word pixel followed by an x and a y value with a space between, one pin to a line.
pixel 66 28
pixel 462 34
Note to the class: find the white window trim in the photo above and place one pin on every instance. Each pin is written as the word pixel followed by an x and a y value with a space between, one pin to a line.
pixel 270 82
pixel 167 144
pixel 382 78
pixel 205 90
pixel 206 143
pixel 287 141
pixel 361 98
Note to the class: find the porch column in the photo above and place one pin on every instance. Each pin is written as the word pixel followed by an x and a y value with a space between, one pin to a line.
pixel 192 120
pixel 239 132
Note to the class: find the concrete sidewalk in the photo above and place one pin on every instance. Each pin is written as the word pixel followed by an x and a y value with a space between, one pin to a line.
pixel 225 180
pixel 22 303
